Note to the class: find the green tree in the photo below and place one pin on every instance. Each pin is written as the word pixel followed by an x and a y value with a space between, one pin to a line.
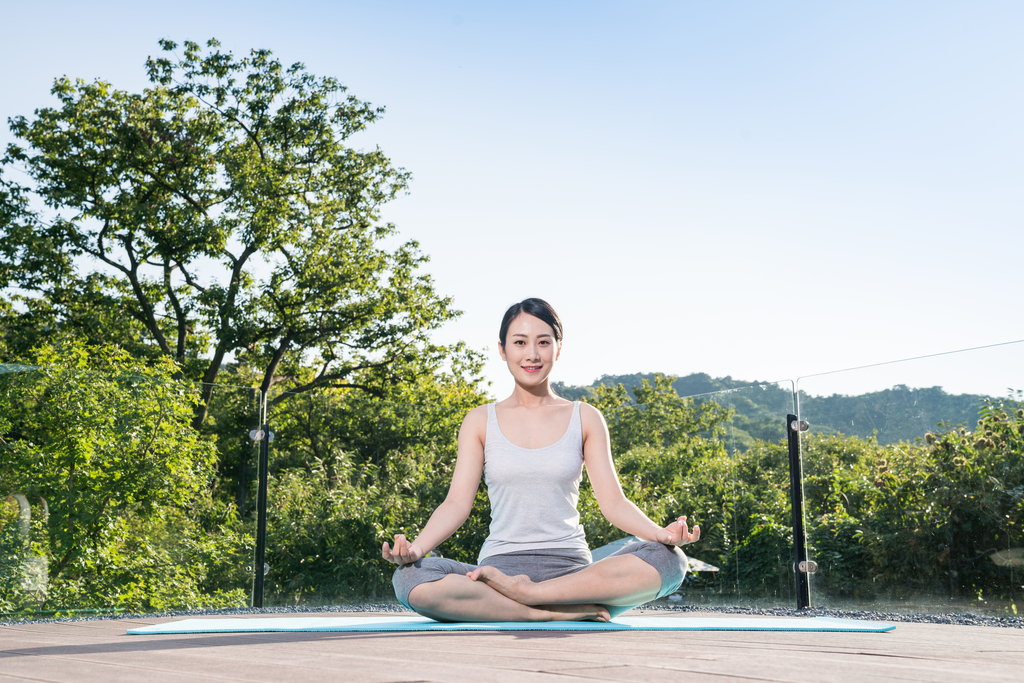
pixel 220 212
pixel 105 440
pixel 654 415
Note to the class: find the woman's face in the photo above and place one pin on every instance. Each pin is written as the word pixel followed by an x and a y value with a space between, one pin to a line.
pixel 530 349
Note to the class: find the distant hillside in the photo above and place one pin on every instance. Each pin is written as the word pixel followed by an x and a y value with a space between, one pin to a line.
pixel 897 414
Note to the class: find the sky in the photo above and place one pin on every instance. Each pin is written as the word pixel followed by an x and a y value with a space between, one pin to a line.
pixel 765 190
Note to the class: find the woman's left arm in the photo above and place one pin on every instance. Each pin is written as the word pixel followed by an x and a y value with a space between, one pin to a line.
pixel 617 509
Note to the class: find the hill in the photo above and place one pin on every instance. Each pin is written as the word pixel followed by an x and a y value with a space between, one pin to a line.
pixel 898 414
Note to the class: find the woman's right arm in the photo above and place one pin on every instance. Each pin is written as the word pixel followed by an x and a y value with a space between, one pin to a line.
pixel 454 511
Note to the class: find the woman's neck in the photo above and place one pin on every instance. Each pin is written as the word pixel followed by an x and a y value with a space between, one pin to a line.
pixel 535 396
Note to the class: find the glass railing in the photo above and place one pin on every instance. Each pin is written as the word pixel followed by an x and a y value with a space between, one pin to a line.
pixel 913 485
pixel 112 502
pixel 914 478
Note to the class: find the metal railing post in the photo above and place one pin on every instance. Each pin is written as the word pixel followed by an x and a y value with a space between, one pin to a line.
pixel 801 566
pixel 264 437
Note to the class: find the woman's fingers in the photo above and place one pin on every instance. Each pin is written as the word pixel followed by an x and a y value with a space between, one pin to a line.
pixel 401 553
pixel 403 547
pixel 680 532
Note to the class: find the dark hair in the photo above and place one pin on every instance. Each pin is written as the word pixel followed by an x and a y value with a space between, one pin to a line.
pixel 538 308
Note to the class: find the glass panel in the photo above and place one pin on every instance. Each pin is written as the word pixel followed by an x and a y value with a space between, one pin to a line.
pixel 111 497
pixel 914 479
pixel 737 485
pixel 346 474
pixel 23 540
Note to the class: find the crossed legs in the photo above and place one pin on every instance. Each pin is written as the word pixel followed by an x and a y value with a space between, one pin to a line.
pixel 619 581
pixel 459 598
pixel 487 594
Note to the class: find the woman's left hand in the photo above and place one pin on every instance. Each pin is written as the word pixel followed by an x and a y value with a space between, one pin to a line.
pixel 678 533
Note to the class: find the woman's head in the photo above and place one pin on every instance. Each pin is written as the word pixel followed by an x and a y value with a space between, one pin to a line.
pixel 531 341
pixel 538 308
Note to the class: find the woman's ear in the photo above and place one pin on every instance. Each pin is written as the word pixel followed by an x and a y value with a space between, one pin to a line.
pixel 558 351
pixel 501 350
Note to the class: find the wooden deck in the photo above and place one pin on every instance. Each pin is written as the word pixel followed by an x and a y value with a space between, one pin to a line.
pixel 101 651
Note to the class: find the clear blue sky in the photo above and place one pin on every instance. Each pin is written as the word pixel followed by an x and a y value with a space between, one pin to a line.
pixel 759 189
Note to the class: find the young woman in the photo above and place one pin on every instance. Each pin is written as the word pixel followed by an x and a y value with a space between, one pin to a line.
pixel 531 448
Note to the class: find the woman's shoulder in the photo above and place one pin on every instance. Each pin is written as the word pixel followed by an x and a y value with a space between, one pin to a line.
pixel 590 416
pixel 476 418
pixel 474 426
pixel 478 413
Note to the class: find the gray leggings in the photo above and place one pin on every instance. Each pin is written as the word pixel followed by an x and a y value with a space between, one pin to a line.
pixel 541 565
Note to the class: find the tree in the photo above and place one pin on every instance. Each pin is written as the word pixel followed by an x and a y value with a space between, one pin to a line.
pixel 220 212
pixel 656 416
pixel 104 439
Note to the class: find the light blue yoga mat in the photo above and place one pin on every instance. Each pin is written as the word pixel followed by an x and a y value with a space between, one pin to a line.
pixel 381 624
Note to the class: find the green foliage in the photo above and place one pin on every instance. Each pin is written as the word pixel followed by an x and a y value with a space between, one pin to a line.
pixel 104 439
pixel 654 415
pixel 219 212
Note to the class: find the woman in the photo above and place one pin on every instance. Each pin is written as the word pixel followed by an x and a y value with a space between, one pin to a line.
pixel 531 448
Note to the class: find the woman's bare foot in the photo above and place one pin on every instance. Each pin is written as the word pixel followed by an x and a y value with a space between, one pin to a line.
pixel 575 612
pixel 519 587
pixel 513 587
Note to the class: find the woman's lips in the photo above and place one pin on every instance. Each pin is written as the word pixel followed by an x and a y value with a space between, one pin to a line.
pixel 531 368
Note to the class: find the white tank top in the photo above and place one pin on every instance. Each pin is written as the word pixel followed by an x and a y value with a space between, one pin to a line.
pixel 533 491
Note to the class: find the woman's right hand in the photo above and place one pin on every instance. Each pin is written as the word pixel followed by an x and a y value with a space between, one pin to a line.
pixel 403 552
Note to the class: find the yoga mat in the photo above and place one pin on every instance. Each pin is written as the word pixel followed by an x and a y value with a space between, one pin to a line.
pixel 381 624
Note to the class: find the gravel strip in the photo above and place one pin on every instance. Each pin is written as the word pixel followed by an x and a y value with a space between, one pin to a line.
pixel 395 608
pixel 230 612
pixel 960 619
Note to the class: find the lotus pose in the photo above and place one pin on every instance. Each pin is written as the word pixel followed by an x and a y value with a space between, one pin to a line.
pixel 535 564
